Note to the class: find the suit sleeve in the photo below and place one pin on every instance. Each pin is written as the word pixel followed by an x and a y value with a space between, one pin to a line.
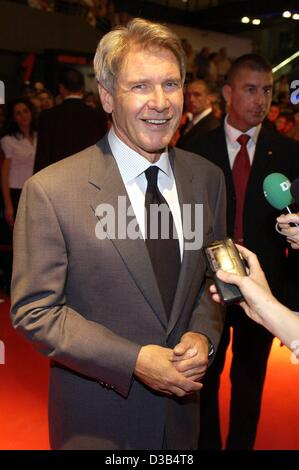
pixel 39 306
pixel 208 317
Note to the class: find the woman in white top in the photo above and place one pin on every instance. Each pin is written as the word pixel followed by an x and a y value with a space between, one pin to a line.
pixel 19 147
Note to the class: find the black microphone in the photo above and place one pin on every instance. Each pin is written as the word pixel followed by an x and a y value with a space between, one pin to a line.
pixel 295 190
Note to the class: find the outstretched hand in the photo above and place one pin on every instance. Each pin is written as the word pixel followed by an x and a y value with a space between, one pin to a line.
pixel 254 287
pixel 292 233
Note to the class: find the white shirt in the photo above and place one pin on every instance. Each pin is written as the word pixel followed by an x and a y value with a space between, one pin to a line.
pixel 21 153
pixel 233 147
pixel 132 166
pixel 72 97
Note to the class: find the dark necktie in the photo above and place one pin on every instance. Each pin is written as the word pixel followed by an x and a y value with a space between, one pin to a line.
pixel 241 172
pixel 188 127
pixel 164 252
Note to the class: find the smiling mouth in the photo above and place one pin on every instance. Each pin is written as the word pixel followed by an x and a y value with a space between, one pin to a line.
pixel 156 121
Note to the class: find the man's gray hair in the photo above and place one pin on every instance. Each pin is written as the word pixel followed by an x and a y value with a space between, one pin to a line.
pixel 114 46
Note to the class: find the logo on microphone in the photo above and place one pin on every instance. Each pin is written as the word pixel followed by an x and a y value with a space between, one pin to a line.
pixel 285 185
pixel 276 188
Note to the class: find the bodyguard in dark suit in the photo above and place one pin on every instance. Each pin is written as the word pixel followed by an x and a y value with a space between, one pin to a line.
pixel 197 98
pixel 70 126
pixel 251 221
pixel 125 316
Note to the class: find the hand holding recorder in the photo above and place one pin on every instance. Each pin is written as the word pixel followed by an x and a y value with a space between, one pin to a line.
pixel 259 303
pixel 225 256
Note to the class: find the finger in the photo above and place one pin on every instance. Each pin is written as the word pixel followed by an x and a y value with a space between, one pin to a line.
pixel 213 289
pixel 292 238
pixel 283 226
pixel 181 348
pixel 217 298
pixel 182 393
pixel 189 386
pixel 197 363
pixel 165 392
pixel 176 383
pixel 250 258
pixel 185 384
pixel 197 377
pixel 295 245
pixel 191 352
pixel 197 371
pixel 229 277
pixel 291 231
pixel 288 218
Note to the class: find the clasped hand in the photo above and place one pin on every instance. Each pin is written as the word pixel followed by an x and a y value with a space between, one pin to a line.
pixel 174 371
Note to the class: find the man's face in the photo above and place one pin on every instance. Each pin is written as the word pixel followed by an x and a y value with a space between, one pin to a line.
pixel 248 98
pixel 46 101
pixel 147 101
pixel 281 124
pixel 197 98
pixel 273 113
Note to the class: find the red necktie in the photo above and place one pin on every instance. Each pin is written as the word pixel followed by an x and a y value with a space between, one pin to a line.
pixel 240 171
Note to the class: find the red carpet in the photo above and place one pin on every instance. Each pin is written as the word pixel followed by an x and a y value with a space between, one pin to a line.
pixel 23 396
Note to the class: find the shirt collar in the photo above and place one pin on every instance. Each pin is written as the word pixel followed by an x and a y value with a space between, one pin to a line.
pixel 232 133
pixel 72 97
pixel 202 115
pixel 130 163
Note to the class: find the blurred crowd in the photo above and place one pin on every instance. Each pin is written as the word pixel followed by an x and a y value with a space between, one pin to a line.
pixel 207 65
pixel 283 115
pixel 41 99
pixel 101 14
pixel 20 121
pixel 37 129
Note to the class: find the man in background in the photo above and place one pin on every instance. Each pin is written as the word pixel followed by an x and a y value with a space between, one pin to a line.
pixel 69 127
pixel 198 102
pixel 247 151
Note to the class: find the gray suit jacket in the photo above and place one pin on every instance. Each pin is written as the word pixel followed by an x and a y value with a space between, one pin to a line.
pixel 90 304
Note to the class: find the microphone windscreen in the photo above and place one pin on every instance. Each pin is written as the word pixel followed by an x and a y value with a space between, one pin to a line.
pixel 276 188
pixel 295 190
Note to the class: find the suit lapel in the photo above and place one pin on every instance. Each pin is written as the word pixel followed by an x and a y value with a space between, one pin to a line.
pixel 222 159
pixel 183 177
pixel 261 164
pixel 199 128
pixel 107 187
